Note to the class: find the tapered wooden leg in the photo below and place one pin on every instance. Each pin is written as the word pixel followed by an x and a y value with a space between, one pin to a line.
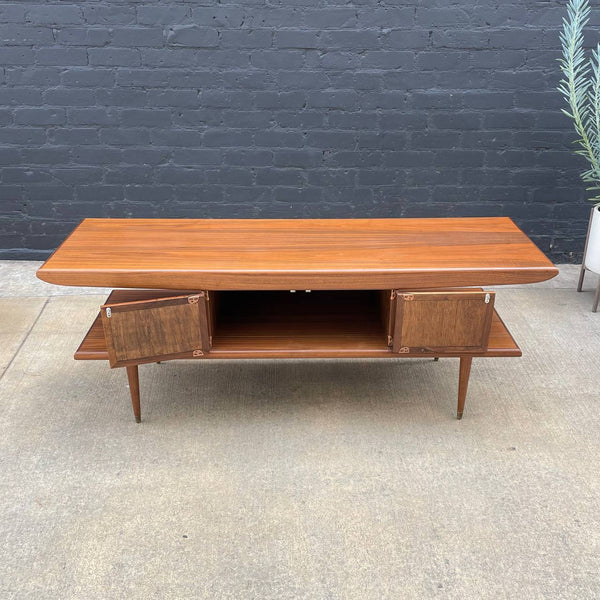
pixel 134 389
pixel 581 276
pixel 463 383
pixel 597 298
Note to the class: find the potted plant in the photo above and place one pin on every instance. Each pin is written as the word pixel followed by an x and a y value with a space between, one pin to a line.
pixel 581 89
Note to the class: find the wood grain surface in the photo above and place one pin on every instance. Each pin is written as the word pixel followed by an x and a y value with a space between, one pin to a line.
pixel 248 254
pixel 438 322
pixel 151 330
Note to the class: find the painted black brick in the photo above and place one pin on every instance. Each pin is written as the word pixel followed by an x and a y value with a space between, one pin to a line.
pixel 310 108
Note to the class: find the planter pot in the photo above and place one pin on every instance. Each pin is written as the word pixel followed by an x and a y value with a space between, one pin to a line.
pixel 591 254
pixel 591 260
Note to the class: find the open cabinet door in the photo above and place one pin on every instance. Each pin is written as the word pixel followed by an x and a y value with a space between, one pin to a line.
pixel 153 330
pixel 437 322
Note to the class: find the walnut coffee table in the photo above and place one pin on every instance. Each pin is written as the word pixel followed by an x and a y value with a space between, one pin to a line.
pixel 344 288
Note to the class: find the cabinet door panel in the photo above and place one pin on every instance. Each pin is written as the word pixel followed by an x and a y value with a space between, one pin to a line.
pixel 153 330
pixel 438 322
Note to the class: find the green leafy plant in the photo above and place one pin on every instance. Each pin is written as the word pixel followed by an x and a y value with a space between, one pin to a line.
pixel 581 89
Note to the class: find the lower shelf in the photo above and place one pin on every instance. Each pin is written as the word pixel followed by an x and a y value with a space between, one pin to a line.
pixel 333 324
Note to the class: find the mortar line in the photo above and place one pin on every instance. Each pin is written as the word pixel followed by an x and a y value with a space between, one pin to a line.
pixel 10 362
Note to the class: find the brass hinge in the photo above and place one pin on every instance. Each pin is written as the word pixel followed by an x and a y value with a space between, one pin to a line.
pixel 196 297
pixel 404 350
pixel 394 294
pixel 390 340
pixel 197 353
pixel 408 297
pixel 108 313
pixel 487 298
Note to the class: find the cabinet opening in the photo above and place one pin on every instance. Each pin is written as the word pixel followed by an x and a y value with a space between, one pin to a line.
pixel 282 321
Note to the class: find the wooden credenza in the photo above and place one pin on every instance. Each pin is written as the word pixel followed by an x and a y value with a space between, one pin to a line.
pixel 337 288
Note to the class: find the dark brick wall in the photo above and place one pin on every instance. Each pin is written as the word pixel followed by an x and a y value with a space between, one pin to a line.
pixel 287 108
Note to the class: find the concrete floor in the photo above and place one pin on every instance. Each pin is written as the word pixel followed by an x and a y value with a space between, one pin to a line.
pixel 290 480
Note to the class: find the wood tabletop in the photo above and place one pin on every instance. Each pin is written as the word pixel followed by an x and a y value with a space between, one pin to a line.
pixel 253 254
